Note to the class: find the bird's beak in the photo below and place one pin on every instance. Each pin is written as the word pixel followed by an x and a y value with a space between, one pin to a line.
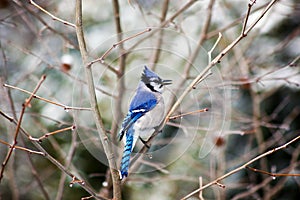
pixel 167 82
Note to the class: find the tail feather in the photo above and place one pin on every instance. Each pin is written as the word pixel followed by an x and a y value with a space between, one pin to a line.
pixel 126 154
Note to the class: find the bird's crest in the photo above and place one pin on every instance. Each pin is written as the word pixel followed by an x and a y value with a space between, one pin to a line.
pixel 153 81
pixel 148 75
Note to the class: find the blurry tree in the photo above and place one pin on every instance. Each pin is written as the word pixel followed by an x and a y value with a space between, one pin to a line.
pixel 235 96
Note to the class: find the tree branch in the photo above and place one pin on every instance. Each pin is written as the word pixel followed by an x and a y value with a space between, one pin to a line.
pixel 242 167
pixel 93 101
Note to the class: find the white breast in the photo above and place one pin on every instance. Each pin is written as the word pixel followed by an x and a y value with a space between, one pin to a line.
pixel 144 127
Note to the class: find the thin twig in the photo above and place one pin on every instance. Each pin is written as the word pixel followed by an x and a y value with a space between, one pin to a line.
pixel 102 58
pixel 85 198
pixel 189 113
pixel 242 167
pixel 247 16
pixel 46 100
pixel 60 188
pixel 51 15
pixel 22 148
pixel 213 48
pixel 51 133
pixel 269 173
pixel 24 106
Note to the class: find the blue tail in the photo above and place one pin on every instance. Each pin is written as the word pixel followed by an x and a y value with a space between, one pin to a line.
pixel 126 153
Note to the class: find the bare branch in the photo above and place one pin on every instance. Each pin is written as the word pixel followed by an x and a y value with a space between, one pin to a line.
pixel 102 58
pixel 189 113
pixel 242 167
pixel 46 100
pixel 93 100
pixel 51 133
pixel 22 148
pixel 269 173
pixel 213 48
pixel 24 106
pixel 51 15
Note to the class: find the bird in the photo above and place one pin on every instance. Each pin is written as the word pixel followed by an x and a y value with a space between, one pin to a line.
pixel 146 112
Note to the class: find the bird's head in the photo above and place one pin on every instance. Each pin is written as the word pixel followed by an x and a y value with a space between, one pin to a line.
pixel 153 81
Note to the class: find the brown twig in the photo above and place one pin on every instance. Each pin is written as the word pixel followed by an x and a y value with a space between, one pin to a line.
pixel 24 106
pixel 22 148
pixel 60 188
pixel 51 133
pixel 46 100
pixel 188 113
pixel 269 173
pixel 242 167
pixel 250 4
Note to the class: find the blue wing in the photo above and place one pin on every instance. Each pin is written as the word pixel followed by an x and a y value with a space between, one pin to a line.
pixel 141 104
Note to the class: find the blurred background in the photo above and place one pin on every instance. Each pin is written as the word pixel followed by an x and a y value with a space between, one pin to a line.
pixel 252 97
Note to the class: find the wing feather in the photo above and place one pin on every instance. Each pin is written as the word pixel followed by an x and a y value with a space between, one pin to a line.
pixel 141 104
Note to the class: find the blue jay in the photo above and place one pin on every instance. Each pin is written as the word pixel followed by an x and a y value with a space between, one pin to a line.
pixel 146 112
